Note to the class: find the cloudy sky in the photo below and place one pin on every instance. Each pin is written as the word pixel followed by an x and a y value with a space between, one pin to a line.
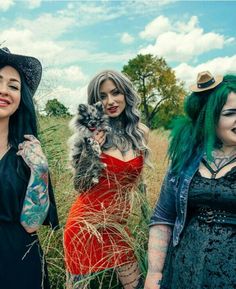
pixel 76 39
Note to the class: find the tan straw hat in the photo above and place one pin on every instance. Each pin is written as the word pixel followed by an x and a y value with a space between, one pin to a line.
pixel 206 81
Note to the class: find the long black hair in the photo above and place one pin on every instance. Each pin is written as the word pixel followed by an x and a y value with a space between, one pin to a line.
pixel 24 119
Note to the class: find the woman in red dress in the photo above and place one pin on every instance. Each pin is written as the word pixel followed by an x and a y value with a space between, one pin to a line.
pixel 96 236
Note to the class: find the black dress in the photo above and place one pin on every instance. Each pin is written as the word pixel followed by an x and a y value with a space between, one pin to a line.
pixel 22 264
pixel 205 256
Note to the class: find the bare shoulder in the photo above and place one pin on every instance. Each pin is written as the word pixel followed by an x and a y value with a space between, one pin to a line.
pixel 145 130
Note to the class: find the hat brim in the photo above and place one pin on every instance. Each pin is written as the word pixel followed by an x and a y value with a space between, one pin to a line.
pixel 29 66
pixel 218 80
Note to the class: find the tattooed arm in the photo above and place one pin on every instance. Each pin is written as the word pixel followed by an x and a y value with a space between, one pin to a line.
pixel 161 225
pixel 36 202
pixel 159 238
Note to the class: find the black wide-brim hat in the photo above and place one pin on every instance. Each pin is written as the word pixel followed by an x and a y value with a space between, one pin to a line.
pixel 29 66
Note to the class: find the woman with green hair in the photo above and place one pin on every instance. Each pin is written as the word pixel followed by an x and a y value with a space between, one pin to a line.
pixel 193 228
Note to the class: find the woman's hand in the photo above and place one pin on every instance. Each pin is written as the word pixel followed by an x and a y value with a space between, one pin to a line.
pixel 153 281
pixel 99 137
pixel 30 150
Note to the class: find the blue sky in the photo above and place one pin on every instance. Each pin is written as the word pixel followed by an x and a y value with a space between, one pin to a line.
pixel 76 39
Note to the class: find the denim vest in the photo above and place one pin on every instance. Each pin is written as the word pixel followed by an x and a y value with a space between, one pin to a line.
pixel 171 208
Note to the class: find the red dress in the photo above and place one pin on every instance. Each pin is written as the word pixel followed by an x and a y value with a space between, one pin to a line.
pixel 96 236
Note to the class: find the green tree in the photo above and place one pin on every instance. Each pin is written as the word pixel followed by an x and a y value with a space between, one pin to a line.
pixel 167 112
pixel 56 108
pixel 156 84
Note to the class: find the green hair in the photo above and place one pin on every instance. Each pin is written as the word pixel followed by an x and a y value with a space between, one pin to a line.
pixel 196 130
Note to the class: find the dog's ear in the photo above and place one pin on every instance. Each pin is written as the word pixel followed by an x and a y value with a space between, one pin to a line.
pixel 82 108
pixel 99 106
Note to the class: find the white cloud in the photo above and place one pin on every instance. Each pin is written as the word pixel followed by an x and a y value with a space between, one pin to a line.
pixel 68 96
pixel 32 4
pixel 14 36
pixel 219 65
pixel 70 74
pixel 184 41
pixel 72 97
pixel 47 26
pixel 184 46
pixel 70 6
pixel 46 43
pixel 18 42
pixel 53 52
pixel 229 40
pixel 68 85
pixel 88 13
pixel 126 38
pixel 143 7
pixel 187 27
pixel 158 26
pixel 43 34
pixel 6 4
pixel 107 58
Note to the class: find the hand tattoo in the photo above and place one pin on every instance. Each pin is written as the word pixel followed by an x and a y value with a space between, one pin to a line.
pixel 31 151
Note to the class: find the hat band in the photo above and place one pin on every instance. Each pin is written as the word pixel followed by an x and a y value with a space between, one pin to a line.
pixel 206 84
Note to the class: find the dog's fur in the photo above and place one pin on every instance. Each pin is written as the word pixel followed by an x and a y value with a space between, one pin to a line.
pixel 85 151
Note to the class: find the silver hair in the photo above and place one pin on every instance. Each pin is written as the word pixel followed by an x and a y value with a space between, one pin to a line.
pixel 130 118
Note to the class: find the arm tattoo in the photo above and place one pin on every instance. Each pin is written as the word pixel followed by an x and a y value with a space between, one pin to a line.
pixel 159 239
pixel 36 202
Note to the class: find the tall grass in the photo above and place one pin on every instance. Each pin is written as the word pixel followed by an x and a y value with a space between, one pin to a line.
pixel 54 135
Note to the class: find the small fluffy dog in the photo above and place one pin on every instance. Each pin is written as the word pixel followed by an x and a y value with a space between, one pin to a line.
pixel 85 151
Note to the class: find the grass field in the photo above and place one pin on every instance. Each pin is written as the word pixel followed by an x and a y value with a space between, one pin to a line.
pixel 54 135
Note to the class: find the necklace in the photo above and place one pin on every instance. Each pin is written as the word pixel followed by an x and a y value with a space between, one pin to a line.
pixel 220 159
pixel 117 138
pixel 121 141
pixel 215 172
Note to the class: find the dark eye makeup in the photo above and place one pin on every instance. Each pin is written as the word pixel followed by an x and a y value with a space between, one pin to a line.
pixel 115 92
pixel 228 112
pixel 14 87
pixel 102 96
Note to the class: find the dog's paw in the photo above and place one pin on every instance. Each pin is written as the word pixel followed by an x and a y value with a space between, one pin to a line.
pixel 103 165
pixel 95 180
pixel 96 148
pixel 107 129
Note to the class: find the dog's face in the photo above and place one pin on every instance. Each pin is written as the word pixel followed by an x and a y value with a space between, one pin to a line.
pixel 91 116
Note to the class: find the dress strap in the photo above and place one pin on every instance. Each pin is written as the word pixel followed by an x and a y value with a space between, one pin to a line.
pixel 215 172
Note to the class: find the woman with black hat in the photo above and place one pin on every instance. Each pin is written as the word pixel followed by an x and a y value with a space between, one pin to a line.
pixel 192 237
pixel 26 197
